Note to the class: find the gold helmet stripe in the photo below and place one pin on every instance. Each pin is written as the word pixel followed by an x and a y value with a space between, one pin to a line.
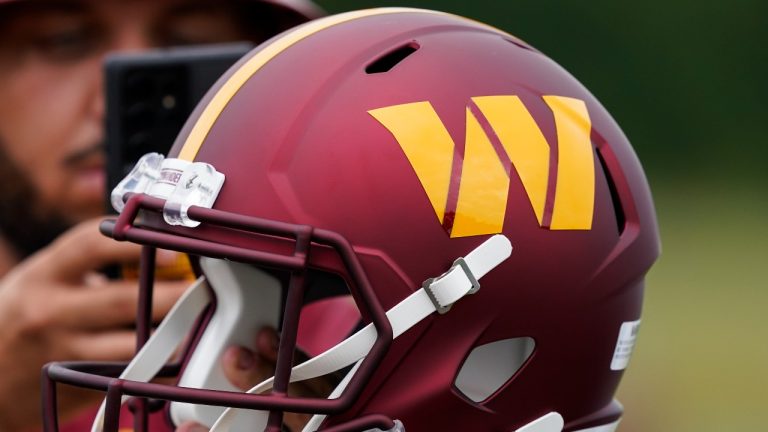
pixel 227 91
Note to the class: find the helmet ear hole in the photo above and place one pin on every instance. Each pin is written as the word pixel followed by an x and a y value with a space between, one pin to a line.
pixel 488 367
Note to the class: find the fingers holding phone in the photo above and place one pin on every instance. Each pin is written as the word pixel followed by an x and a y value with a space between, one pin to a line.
pixel 56 306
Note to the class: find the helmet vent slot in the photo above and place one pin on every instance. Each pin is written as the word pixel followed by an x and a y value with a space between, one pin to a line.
pixel 517 42
pixel 391 59
pixel 621 219
pixel 488 367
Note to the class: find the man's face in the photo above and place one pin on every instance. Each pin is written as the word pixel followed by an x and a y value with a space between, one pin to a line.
pixel 51 98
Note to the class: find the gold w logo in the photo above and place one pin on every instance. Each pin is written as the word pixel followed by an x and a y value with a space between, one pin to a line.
pixel 499 130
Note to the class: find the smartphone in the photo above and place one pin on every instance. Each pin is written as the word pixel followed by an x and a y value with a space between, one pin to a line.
pixel 149 96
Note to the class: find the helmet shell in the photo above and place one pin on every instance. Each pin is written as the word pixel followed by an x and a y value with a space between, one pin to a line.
pixel 293 128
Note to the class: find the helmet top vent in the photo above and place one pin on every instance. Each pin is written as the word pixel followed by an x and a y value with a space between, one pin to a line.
pixel 391 59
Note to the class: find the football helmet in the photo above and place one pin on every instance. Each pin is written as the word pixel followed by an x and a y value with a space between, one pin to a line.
pixel 483 210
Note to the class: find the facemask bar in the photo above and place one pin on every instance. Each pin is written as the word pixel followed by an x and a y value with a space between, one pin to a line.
pixel 100 376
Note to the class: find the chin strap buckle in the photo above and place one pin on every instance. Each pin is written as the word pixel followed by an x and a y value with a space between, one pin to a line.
pixel 430 285
pixel 461 262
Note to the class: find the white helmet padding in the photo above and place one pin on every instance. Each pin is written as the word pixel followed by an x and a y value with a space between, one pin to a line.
pixel 247 299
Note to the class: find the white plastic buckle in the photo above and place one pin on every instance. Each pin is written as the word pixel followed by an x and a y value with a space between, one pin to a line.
pixel 144 174
pixel 198 185
pixel 427 285
pixel 180 183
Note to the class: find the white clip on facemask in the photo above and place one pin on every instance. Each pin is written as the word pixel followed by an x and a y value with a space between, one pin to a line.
pixel 199 185
pixel 143 175
pixel 181 183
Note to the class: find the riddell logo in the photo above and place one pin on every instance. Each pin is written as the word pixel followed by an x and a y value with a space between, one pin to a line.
pixel 501 135
pixel 170 176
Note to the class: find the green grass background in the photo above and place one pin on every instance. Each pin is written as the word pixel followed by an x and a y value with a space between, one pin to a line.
pixel 687 80
pixel 700 364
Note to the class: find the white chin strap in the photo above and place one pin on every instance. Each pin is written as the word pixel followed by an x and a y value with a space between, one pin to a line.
pixel 436 295
pixel 164 341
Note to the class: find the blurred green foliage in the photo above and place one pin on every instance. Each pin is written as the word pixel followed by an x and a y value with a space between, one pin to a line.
pixel 686 79
pixel 688 82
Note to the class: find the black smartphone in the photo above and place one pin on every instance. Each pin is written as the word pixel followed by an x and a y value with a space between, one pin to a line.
pixel 149 96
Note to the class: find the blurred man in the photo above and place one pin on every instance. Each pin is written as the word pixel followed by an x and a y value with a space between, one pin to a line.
pixel 54 304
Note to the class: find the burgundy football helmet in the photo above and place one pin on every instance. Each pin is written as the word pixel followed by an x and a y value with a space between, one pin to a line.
pixel 485 213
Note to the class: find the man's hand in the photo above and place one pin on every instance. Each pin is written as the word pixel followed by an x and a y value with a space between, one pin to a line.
pixel 245 368
pixel 56 306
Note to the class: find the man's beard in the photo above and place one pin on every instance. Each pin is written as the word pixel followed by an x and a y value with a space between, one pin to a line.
pixel 25 221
